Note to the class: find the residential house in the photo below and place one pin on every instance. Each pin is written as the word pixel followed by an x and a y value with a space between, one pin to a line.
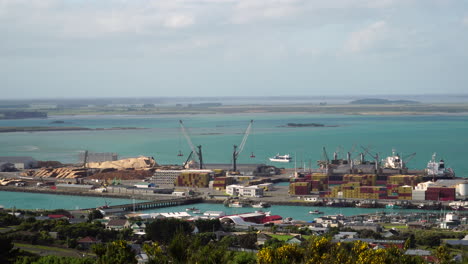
pixel 425 254
pixel 138 228
pixel 343 235
pixel 117 224
pixel 262 238
pixel 295 240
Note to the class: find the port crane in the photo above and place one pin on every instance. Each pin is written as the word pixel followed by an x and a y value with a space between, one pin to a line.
pixel 236 152
pixel 407 159
pixel 376 158
pixel 197 150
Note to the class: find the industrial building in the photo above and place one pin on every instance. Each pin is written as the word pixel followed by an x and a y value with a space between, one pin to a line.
pixel 19 163
pixel 182 178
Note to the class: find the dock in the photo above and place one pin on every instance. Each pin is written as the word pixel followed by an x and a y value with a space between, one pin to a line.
pixel 151 204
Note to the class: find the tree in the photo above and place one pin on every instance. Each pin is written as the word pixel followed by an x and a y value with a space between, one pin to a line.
pixel 248 240
pixel 443 255
pixel 163 230
pixel 178 247
pixel 94 214
pixel 243 258
pixel 7 252
pixel 283 255
pixel 155 254
pixel 116 252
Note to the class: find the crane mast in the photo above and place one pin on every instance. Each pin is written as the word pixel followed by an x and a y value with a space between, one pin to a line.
pixel 237 151
pixel 197 150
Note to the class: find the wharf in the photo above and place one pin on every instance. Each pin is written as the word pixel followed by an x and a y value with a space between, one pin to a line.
pixel 151 204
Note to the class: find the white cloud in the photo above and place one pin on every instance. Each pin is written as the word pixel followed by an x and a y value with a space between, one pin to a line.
pixel 465 21
pixel 367 37
pixel 247 11
pixel 178 21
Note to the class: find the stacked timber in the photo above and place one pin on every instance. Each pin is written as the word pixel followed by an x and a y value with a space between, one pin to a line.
pixel 59 173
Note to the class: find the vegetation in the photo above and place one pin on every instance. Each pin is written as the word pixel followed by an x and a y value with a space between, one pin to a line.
pixel 177 241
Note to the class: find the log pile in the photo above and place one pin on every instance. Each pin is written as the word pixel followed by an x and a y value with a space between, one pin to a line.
pixel 59 173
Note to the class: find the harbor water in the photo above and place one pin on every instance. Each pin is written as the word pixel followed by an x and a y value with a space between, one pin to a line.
pixel 162 138
pixel 41 201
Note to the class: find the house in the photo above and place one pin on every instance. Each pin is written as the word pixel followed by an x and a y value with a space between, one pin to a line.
pixel 462 242
pixel 57 216
pixel 87 242
pixel 295 240
pixel 425 254
pixel 390 233
pixel 262 238
pixel 117 224
pixel 343 235
pixel 138 228
pixel 142 258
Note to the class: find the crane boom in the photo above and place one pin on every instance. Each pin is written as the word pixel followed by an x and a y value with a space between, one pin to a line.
pixel 244 139
pixel 189 141
pixel 194 150
pixel 237 151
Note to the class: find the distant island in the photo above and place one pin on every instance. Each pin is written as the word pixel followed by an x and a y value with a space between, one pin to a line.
pixel 42 129
pixel 375 101
pixel 305 125
pixel 22 114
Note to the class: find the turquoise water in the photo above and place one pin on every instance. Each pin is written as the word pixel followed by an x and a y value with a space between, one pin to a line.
pixel 162 139
pixel 21 200
pixel 296 212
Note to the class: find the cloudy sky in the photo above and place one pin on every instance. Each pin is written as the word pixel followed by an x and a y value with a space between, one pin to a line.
pixel 136 48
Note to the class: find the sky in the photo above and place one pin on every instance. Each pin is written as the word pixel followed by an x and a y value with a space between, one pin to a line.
pixel 137 48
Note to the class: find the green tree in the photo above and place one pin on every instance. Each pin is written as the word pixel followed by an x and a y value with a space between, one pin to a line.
pixel 442 254
pixel 248 240
pixel 243 258
pixel 7 251
pixel 178 247
pixel 163 230
pixel 155 254
pixel 116 252
pixel 94 214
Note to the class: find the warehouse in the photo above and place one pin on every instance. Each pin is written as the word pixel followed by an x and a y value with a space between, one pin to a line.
pixel 19 162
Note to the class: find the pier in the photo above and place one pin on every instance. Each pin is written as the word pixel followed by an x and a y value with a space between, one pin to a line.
pixel 151 204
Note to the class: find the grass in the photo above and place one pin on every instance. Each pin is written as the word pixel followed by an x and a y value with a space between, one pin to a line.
pixel 49 250
pixel 395 226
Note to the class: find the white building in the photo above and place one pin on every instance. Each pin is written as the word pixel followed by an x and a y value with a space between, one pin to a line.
pixel 249 191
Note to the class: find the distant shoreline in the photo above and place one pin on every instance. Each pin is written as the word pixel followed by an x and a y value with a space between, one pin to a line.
pixel 47 129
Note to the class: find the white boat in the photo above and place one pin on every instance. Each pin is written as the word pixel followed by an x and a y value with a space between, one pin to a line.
pixel 236 204
pixel 315 212
pixel 197 211
pixel 281 158
pixel 261 205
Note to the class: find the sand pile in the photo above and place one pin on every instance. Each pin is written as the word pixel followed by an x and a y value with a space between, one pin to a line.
pixel 131 163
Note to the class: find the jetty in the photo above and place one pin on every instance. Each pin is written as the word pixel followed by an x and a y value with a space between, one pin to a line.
pixel 150 204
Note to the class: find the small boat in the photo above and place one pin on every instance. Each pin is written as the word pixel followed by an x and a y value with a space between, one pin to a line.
pixel 315 212
pixel 236 204
pixel 190 209
pixel 197 211
pixel 281 158
pixel 261 205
